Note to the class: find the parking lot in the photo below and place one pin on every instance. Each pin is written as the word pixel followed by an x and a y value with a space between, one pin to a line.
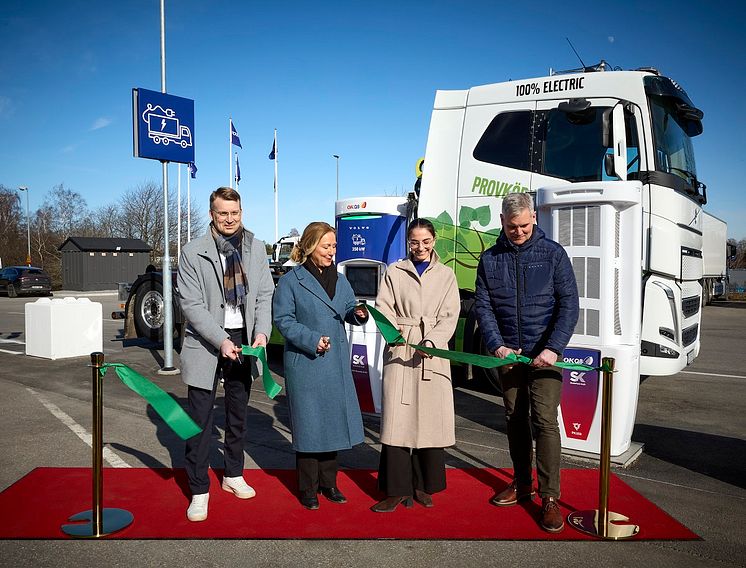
pixel 692 425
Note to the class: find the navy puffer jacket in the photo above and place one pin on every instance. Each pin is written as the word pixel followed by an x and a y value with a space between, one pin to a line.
pixel 526 296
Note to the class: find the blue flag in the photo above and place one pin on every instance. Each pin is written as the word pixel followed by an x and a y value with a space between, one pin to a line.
pixel 235 140
pixel 238 171
pixel 192 169
pixel 273 153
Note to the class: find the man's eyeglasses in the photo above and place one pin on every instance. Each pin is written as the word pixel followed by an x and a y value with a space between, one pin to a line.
pixel 226 214
pixel 424 243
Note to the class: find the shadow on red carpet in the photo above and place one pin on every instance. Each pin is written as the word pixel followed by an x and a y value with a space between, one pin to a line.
pixel 36 506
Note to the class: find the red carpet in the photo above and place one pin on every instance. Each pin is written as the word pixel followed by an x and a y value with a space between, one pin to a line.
pixel 38 504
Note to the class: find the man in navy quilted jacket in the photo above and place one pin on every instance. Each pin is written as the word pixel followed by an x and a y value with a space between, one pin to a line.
pixel 527 303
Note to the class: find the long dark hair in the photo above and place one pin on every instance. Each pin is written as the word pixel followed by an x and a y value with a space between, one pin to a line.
pixel 420 223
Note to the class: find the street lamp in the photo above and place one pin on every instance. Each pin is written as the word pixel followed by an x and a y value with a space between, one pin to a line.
pixel 28 225
pixel 337 157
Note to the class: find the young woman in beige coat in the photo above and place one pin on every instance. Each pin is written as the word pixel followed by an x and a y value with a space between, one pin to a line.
pixel 419 295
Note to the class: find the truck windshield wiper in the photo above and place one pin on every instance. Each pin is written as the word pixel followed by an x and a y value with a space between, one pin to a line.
pixel 690 177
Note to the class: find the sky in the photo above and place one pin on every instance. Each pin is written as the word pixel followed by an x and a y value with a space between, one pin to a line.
pixel 356 79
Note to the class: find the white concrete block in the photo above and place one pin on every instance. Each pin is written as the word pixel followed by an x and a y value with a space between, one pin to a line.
pixel 63 327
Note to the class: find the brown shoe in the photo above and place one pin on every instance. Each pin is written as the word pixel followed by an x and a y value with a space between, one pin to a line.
pixel 423 498
pixel 390 503
pixel 551 516
pixel 512 494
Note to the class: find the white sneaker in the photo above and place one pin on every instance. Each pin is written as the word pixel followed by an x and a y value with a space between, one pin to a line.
pixel 197 510
pixel 238 487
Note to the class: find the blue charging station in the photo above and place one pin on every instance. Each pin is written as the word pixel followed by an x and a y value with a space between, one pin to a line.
pixel 371 234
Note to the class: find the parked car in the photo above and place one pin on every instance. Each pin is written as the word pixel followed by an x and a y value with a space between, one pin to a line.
pixel 17 280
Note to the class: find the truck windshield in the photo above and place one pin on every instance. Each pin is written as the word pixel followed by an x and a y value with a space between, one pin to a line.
pixel 574 149
pixel 284 254
pixel 674 153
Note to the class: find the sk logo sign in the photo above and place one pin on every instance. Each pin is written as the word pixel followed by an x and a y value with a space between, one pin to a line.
pixel 358 360
pixel 577 378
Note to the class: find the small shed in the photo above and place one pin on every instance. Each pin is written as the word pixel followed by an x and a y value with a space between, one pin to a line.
pixel 93 263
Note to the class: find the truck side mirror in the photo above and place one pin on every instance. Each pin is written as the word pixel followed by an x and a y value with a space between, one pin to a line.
pixel 609 165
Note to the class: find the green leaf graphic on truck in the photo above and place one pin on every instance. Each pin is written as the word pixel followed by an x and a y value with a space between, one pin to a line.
pixel 460 246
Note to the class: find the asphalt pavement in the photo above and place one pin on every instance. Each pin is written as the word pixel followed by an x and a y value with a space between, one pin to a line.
pixel 693 466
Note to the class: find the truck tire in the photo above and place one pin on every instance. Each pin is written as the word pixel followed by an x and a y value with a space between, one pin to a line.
pixel 149 312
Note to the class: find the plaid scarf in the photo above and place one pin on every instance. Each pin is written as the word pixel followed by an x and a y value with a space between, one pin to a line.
pixel 234 279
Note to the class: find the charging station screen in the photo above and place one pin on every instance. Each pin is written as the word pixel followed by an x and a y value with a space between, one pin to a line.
pixel 363 279
pixel 373 237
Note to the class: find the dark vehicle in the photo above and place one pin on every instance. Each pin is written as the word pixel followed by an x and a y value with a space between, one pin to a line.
pixel 27 280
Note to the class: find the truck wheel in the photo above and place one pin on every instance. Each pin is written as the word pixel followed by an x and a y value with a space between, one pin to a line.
pixel 149 311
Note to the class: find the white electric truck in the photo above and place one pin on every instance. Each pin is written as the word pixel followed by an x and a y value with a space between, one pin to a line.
pixel 610 159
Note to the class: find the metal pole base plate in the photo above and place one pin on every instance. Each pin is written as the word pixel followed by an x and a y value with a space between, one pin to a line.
pixel 112 520
pixel 587 522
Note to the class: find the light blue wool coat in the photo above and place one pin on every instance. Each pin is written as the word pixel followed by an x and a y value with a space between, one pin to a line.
pixel 324 411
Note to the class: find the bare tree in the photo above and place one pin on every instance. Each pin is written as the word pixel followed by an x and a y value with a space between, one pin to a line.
pixel 141 215
pixel 12 228
pixel 740 261
pixel 44 243
pixel 69 209
pixel 106 222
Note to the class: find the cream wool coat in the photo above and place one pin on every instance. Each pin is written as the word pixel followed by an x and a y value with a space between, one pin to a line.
pixel 417 408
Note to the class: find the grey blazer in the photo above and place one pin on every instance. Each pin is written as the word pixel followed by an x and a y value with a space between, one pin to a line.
pixel 200 282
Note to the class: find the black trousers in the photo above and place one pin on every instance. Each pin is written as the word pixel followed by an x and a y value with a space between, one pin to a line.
pixel 201 407
pixel 402 470
pixel 316 470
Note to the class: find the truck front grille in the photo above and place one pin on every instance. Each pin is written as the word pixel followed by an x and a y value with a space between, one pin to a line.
pixel 689 335
pixel 690 306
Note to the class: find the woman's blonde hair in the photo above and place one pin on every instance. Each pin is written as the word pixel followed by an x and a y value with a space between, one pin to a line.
pixel 310 239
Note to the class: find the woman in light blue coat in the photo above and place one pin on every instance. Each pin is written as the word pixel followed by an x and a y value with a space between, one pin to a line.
pixel 311 305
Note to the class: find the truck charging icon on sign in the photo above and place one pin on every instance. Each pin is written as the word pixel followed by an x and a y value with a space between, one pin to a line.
pixel 164 127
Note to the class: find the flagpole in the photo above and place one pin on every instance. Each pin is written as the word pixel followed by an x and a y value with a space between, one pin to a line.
pixel 277 238
pixel 189 207
pixel 178 213
pixel 230 149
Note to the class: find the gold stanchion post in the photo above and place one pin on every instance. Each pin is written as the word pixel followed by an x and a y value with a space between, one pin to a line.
pixel 601 522
pixel 101 522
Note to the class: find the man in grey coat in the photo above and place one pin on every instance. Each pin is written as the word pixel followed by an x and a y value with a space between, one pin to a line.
pixel 225 290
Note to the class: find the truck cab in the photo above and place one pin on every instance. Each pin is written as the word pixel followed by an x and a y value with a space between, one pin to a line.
pixel 578 141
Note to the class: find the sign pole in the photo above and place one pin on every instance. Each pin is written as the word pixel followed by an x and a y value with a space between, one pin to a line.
pixel 230 151
pixel 168 322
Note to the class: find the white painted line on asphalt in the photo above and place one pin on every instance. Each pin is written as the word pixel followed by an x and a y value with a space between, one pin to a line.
pixel 622 474
pixel 480 445
pixel 11 352
pixel 712 375
pixel 110 456
pixel 16 341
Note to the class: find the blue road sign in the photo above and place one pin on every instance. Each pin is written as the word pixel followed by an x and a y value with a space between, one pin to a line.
pixel 163 126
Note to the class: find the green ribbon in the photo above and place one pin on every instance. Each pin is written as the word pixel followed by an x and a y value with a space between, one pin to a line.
pixel 166 407
pixel 270 386
pixel 392 336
